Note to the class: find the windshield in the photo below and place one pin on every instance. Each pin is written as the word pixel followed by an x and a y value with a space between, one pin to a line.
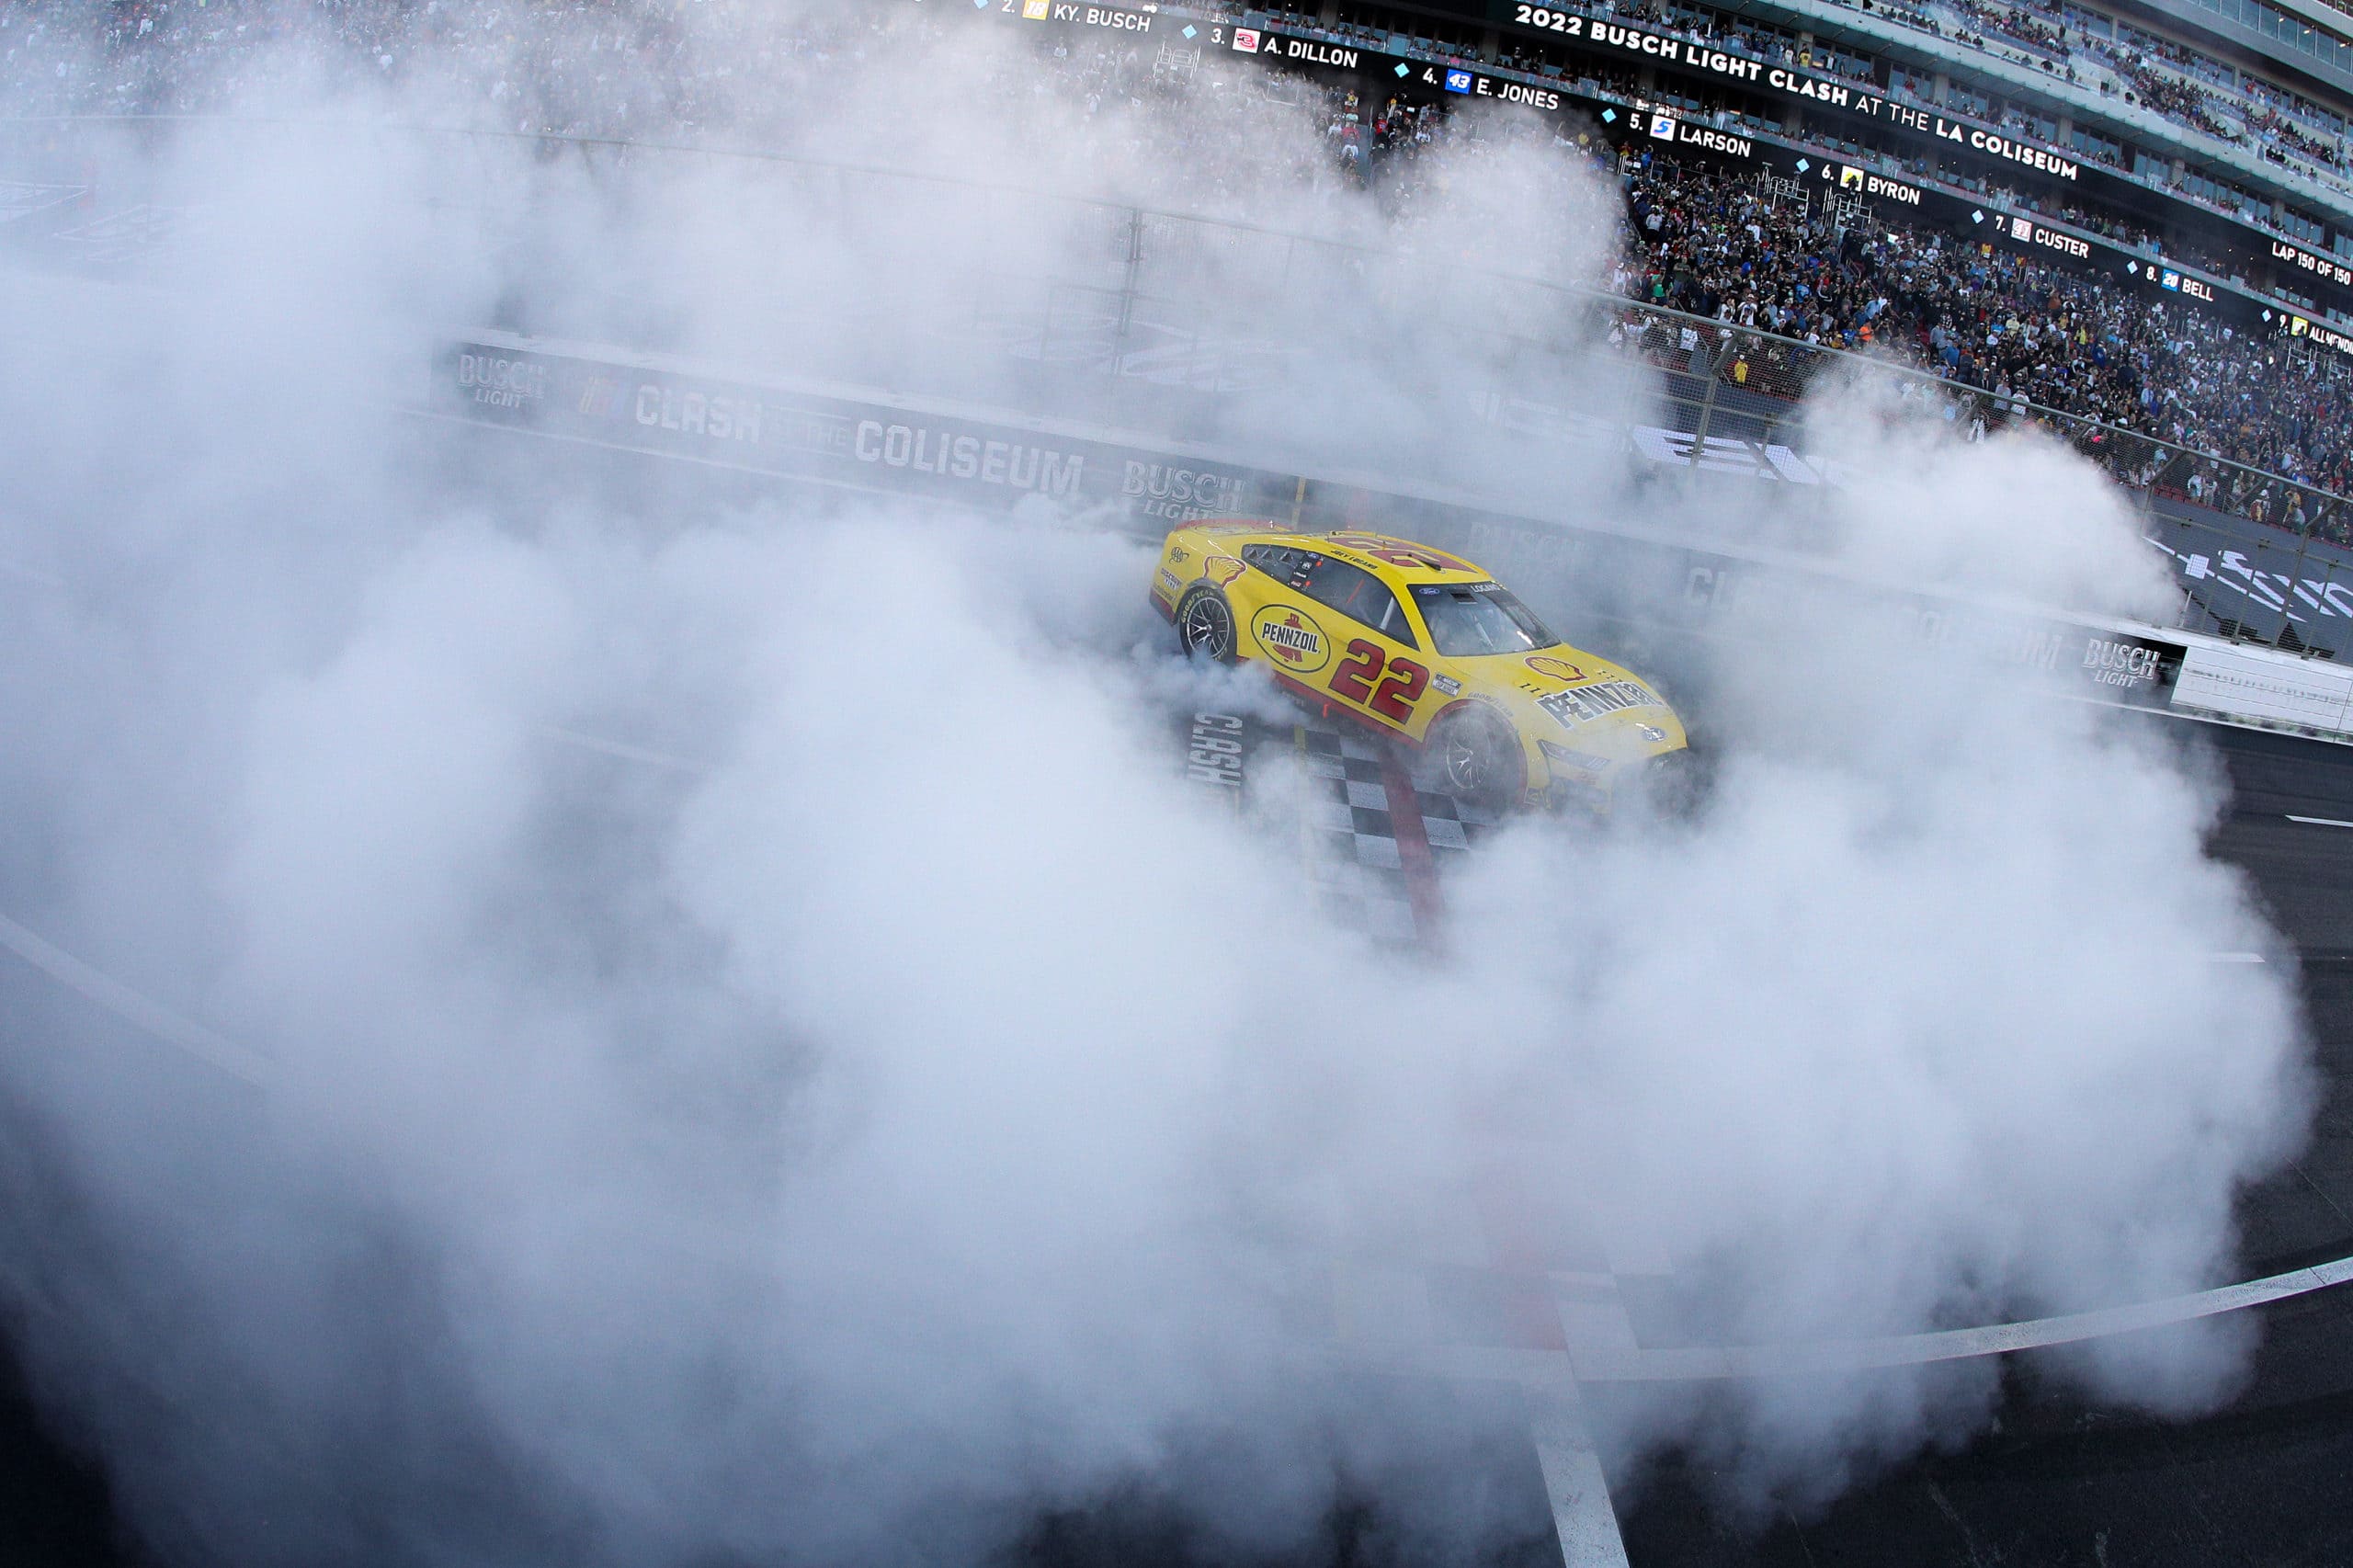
pixel 1479 618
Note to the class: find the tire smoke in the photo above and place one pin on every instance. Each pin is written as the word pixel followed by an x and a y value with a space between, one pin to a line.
pixel 867 1108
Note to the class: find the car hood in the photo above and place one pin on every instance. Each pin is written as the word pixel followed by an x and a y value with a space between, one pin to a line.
pixel 1581 701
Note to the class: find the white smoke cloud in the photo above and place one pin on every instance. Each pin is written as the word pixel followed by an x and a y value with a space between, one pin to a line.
pixel 1923 507
pixel 914 1115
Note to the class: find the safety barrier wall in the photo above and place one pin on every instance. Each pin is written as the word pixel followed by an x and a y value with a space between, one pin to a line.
pixel 2259 687
pixel 652 404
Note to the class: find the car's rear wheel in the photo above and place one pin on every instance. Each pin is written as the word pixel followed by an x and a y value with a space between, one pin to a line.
pixel 1205 625
pixel 1475 756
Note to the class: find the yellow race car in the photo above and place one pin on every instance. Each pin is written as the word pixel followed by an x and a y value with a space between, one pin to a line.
pixel 1428 649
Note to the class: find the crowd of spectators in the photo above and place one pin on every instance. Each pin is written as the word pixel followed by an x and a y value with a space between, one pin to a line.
pixel 2002 322
pixel 2177 100
pixel 2171 81
pixel 2008 22
pixel 2324 121
pixel 2015 329
pixel 2192 90
pixel 2276 129
pixel 618 69
pixel 2168 79
pixel 603 42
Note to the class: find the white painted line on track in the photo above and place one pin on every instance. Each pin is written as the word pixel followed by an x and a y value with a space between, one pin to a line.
pixel 1582 1515
pixel 1599 1359
pixel 127 1005
pixel 1604 1364
pixel 1603 1357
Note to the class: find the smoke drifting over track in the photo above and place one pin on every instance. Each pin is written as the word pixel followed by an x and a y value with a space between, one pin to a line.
pixel 920 1118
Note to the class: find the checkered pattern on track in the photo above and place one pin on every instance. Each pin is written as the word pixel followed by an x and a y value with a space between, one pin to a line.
pixel 1509 1267
pixel 1359 876
pixel 1453 826
pixel 1510 1264
pixel 1361 871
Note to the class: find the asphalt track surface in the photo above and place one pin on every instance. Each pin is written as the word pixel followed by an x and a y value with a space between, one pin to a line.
pixel 2268 1480
pixel 2265 1482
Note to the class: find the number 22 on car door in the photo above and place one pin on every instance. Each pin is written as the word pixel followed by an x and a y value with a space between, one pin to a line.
pixel 1386 684
pixel 1379 671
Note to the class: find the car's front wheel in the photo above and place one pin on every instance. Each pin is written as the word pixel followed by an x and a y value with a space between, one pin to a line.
pixel 1475 756
pixel 1672 785
pixel 1205 625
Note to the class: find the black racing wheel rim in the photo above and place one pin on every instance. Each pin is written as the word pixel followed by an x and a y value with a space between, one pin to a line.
pixel 1205 625
pixel 1474 759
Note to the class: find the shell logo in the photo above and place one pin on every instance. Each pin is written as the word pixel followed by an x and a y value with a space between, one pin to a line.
pixel 1291 636
pixel 1222 569
pixel 1557 669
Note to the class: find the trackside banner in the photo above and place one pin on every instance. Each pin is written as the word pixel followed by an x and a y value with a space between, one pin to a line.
pixel 2143 671
pixel 834 441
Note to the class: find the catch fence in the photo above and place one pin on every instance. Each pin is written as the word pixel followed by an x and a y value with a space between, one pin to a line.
pixel 1189 301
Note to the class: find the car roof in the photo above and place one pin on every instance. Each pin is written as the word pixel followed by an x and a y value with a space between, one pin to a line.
pixel 1431 565
pixel 1359 547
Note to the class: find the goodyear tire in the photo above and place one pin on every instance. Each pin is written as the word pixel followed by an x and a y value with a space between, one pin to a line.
pixel 1474 755
pixel 1205 625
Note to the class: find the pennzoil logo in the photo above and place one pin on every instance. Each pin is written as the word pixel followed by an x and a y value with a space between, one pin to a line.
pixel 1559 669
pixel 1293 638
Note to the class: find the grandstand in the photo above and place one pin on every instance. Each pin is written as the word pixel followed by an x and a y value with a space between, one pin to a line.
pixel 2144 219
pixel 2123 224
